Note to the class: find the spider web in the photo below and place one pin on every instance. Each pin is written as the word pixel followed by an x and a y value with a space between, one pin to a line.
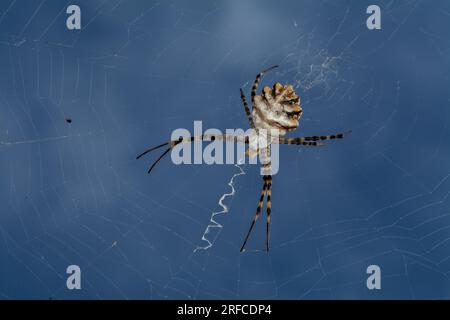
pixel 73 193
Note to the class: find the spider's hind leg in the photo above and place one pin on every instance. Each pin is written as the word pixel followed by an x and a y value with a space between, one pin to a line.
pixel 247 109
pixel 257 81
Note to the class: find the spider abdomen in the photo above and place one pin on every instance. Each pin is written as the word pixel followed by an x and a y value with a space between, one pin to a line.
pixel 277 108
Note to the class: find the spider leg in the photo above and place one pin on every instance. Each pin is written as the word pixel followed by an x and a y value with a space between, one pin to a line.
pixel 256 83
pixel 295 141
pixel 258 211
pixel 173 143
pixel 268 208
pixel 247 109
pixel 157 160
pixel 151 149
pixel 311 141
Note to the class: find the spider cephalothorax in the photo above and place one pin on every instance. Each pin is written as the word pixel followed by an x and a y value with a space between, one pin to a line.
pixel 277 108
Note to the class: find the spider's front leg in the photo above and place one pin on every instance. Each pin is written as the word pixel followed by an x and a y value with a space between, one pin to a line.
pixel 258 212
pixel 268 209
pixel 266 191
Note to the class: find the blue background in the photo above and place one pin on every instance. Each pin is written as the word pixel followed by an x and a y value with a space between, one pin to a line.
pixel 74 193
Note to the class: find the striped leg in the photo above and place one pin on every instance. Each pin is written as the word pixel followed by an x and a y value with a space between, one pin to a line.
pixel 256 83
pixel 268 207
pixel 157 160
pixel 173 143
pixel 258 211
pixel 312 141
pixel 247 109
pixel 298 141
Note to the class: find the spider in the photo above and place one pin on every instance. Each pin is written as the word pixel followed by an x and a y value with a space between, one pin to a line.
pixel 276 108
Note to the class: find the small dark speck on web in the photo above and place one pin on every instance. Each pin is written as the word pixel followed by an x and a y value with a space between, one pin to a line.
pixel 68 120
